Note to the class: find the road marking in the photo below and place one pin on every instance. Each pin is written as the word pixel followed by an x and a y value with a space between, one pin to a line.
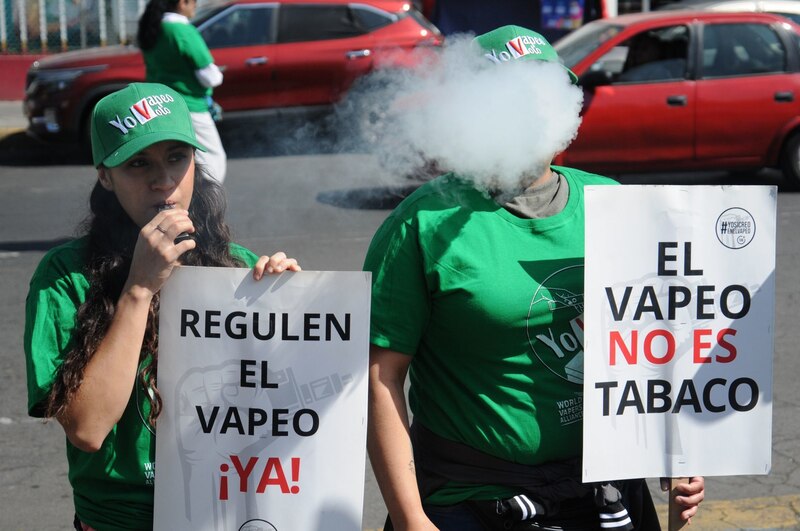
pixel 8 131
pixel 8 421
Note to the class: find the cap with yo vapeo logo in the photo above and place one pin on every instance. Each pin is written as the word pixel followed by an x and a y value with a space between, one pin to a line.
pixel 514 43
pixel 136 117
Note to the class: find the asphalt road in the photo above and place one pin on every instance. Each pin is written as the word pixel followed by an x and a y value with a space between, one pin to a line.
pixel 321 207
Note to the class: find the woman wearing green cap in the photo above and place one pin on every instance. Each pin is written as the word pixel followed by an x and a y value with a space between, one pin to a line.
pixel 91 339
pixel 176 55
pixel 477 300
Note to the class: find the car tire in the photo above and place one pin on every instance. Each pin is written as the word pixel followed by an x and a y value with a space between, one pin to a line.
pixel 85 134
pixel 790 160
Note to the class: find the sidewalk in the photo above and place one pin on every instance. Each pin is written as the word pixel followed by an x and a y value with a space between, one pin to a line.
pixel 11 118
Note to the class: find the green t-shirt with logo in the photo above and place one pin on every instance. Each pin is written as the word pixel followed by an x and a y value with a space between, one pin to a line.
pixel 113 487
pixel 178 52
pixel 490 306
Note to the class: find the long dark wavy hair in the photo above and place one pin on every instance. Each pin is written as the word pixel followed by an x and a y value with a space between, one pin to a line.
pixel 150 22
pixel 112 237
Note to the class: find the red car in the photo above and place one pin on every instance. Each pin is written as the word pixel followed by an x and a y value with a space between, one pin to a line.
pixel 687 91
pixel 274 54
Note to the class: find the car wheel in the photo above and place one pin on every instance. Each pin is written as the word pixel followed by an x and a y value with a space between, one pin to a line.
pixel 790 160
pixel 85 134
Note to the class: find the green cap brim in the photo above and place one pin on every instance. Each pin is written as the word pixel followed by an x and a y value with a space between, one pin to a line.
pixel 136 145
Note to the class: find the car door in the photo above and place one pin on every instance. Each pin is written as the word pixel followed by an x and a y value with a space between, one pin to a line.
pixel 242 41
pixel 745 94
pixel 644 119
pixel 321 49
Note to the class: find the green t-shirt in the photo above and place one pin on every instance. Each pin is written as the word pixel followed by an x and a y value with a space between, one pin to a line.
pixel 113 487
pixel 179 51
pixel 490 306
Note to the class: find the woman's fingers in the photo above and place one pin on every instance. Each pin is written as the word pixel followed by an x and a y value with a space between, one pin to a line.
pixel 156 252
pixel 285 264
pixel 688 513
pixel 277 263
pixel 165 228
pixel 690 495
pixel 168 224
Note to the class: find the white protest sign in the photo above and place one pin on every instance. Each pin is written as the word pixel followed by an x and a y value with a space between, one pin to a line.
pixel 264 386
pixel 680 297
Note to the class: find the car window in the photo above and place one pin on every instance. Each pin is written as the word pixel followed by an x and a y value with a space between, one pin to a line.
pixel 299 23
pixel 575 46
pixel 371 19
pixel 741 50
pixel 794 17
pixel 203 14
pixel 422 21
pixel 242 25
pixel 654 55
pixel 795 38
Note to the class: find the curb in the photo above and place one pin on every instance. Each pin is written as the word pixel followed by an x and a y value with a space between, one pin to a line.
pixel 8 131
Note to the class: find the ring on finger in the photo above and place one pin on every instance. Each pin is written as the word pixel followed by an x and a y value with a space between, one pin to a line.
pixel 159 229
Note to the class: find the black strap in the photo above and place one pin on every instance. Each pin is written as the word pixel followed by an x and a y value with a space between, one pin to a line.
pixel 438 461
pixel 546 486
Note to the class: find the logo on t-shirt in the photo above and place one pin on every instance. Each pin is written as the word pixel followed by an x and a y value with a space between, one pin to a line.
pixel 149 472
pixel 555 323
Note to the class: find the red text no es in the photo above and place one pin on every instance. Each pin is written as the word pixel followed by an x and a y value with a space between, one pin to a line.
pixel 658 346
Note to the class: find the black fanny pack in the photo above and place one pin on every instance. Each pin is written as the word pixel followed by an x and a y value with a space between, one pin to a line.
pixel 568 515
pixel 552 494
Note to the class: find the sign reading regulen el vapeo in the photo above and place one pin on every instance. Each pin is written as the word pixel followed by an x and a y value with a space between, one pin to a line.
pixel 264 392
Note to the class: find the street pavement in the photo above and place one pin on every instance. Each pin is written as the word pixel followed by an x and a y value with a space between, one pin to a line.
pixel 780 509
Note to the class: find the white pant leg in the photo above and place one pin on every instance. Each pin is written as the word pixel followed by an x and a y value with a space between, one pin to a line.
pixel 214 158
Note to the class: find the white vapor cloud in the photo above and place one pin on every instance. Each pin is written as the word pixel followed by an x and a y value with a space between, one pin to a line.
pixel 496 124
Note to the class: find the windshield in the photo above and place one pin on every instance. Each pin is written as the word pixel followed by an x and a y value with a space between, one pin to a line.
pixel 205 13
pixel 795 17
pixel 581 42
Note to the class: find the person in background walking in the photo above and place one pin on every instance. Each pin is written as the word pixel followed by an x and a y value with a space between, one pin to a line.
pixel 176 55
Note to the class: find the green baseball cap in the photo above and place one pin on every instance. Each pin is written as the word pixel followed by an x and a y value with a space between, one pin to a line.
pixel 509 43
pixel 136 117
